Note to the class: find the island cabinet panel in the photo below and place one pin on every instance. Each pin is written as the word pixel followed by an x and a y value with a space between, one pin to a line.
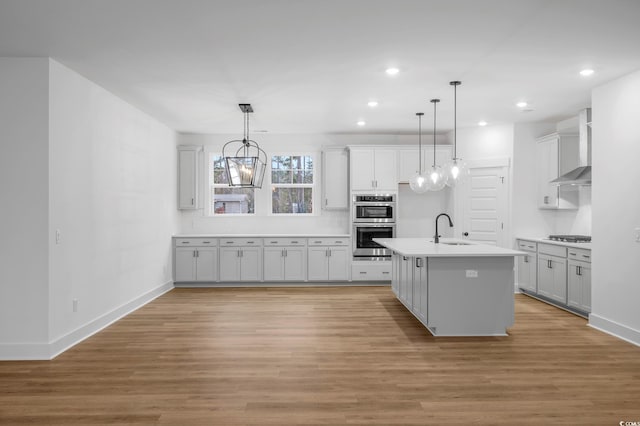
pixel 395 273
pixel 405 289
pixel 420 289
pixel 470 295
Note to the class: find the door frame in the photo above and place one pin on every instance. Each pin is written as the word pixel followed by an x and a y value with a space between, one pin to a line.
pixel 459 198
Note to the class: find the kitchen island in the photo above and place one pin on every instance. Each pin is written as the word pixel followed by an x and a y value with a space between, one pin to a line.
pixel 455 287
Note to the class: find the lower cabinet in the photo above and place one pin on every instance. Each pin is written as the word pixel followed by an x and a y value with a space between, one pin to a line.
pixel 528 266
pixel 420 289
pixel 579 280
pixel 196 260
pixel 405 285
pixel 285 262
pixel 240 263
pixel 552 277
pixel 328 263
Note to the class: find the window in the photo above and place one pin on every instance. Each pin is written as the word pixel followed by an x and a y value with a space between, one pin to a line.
pixel 292 184
pixel 223 198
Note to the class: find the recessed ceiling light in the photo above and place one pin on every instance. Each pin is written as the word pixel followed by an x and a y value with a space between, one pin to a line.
pixel 521 104
pixel 361 123
pixel 586 72
pixel 482 123
pixel 392 71
pixel 372 104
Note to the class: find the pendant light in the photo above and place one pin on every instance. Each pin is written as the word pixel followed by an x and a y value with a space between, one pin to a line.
pixel 435 176
pixel 418 182
pixel 456 169
pixel 246 162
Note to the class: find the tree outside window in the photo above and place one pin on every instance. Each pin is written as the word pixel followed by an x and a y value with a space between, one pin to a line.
pixel 226 199
pixel 292 184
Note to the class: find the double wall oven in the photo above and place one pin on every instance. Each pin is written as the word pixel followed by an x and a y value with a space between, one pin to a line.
pixel 373 216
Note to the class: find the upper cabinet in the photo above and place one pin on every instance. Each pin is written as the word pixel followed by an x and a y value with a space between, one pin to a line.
pixel 408 161
pixel 373 169
pixel 335 184
pixel 556 154
pixel 188 172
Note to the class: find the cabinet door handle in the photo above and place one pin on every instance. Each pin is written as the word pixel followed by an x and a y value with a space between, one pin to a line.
pixel 329 252
pixel 526 259
pixel 193 254
pixel 585 256
pixel 192 201
pixel 546 199
pixel 326 201
pixel 285 252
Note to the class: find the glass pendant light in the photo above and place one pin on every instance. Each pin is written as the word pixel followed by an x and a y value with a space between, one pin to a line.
pixel 245 161
pixel 435 176
pixel 418 182
pixel 456 169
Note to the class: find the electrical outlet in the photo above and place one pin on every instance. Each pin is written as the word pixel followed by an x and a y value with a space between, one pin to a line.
pixel 471 273
pixel 58 236
pixel 75 305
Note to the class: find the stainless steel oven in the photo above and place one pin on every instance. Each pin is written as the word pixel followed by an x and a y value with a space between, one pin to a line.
pixel 374 208
pixel 364 248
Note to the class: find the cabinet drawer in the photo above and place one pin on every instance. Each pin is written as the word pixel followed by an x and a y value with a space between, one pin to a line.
pixel 328 241
pixel 552 250
pixel 285 241
pixel 527 245
pixel 196 242
pixel 240 242
pixel 381 272
pixel 579 254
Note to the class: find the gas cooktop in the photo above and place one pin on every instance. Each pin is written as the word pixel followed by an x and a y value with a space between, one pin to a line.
pixel 571 238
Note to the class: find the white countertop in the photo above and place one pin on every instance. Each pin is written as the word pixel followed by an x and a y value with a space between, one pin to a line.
pixel 586 246
pixel 425 247
pixel 262 236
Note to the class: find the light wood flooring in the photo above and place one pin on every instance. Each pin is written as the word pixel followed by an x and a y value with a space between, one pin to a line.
pixel 318 356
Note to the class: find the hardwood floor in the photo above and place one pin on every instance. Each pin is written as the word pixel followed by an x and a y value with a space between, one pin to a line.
pixel 330 355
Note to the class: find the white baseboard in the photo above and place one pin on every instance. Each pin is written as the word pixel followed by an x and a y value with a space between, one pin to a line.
pixel 615 329
pixel 31 351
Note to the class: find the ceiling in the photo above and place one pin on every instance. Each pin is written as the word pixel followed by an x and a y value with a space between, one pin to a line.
pixel 311 66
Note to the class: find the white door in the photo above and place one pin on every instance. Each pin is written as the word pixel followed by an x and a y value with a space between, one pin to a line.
pixel 206 264
pixel 185 264
pixel 295 264
pixel 318 269
pixel 482 204
pixel 251 264
pixel 229 264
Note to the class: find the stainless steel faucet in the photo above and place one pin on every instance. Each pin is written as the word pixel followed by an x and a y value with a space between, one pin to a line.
pixel 436 239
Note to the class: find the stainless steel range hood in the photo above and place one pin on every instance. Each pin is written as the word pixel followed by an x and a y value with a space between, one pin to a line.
pixel 581 175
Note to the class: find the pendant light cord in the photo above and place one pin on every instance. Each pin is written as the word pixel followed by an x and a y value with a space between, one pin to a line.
pixel 455 85
pixel 419 114
pixel 434 101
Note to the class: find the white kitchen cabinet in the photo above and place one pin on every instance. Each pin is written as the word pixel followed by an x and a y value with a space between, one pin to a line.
pixel 195 260
pixel 363 270
pixel 528 266
pixel 579 280
pixel 241 259
pixel 395 273
pixel 188 172
pixel 552 272
pixel 405 286
pixel 556 154
pixel 335 179
pixel 408 160
pixel 285 259
pixel 328 259
pixel 373 169
pixel 552 277
pixel 420 288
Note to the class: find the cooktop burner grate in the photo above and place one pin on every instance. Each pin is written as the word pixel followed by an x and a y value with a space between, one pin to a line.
pixel 571 238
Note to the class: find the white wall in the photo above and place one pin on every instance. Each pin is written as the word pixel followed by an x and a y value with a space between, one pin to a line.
pixel 616 207
pixel 113 197
pixel 24 256
pixel 324 222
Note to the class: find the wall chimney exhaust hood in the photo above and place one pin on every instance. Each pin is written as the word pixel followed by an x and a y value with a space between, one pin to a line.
pixel 581 175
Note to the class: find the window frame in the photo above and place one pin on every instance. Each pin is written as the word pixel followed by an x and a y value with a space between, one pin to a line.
pixel 314 186
pixel 210 187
